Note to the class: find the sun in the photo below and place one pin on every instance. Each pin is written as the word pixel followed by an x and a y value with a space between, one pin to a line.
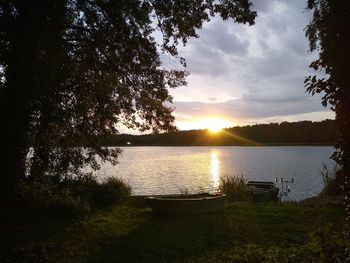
pixel 214 129
pixel 215 125
pixel 212 124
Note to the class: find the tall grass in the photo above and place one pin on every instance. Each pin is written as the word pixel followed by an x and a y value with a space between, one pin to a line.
pixel 332 180
pixel 112 191
pixel 235 188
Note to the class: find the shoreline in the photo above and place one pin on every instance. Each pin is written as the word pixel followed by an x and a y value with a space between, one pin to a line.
pixel 216 145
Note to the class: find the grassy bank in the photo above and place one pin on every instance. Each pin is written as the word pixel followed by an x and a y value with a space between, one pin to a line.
pixel 243 233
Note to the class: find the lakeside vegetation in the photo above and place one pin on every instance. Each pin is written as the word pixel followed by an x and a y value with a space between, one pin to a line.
pixel 285 133
pixel 244 232
pixel 101 225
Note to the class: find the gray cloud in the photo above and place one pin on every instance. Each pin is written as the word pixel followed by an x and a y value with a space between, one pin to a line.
pixel 250 108
pixel 261 6
pixel 262 66
pixel 219 38
pixel 210 54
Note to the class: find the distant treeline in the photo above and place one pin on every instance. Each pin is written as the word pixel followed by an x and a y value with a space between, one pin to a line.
pixel 285 133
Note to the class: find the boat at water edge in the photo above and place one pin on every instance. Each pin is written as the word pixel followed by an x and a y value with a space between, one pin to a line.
pixel 262 191
pixel 188 204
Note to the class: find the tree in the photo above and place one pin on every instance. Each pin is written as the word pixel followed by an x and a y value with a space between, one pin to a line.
pixel 73 70
pixel 329 34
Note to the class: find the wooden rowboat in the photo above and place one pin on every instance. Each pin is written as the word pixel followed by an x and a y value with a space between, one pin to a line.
pixel 263 191
pixel 186 204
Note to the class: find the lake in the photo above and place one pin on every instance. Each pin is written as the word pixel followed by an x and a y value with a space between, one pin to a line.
pixel 172 170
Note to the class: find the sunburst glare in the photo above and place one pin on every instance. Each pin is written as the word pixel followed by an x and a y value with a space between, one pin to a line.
pixel 214 125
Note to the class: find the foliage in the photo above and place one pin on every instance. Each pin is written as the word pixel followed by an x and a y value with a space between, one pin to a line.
pixel 324 200
pixel 109 192
pixel 68 198
pixel 73 70
pixel 329 34
pixel 235 188
pixel 45 198
pixel 332 180
pixel 325 245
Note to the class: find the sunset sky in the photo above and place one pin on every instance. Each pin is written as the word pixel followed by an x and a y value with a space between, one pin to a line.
pixel 246 75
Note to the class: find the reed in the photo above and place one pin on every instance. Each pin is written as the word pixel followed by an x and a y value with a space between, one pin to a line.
pixel 235 188
pixel 332 180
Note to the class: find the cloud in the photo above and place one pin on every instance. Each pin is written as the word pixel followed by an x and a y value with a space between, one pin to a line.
pixel 250 107
pixel 243 72
pixel 262 6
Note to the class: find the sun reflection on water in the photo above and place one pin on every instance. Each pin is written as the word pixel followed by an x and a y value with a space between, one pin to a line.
pixel 215 169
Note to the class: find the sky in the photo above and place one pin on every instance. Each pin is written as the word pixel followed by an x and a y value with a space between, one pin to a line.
pixel 244 75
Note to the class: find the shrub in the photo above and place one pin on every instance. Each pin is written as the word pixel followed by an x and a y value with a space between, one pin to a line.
pixel 109 192
pixel 43 197
pixel 68 198
pixel 234 188
pixel 332 180
pixel 99 194
pixel 325 245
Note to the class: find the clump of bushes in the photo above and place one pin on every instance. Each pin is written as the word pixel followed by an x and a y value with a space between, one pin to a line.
pixel 235 188
pixel 332 179
pixel 46 198
pixel 70 197
pixel 109 192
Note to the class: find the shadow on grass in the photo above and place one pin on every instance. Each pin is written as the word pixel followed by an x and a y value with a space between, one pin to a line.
pixel 125 234
pixel 166 239
pixel 174 239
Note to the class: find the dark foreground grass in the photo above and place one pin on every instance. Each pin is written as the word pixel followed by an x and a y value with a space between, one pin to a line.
pixel 126 234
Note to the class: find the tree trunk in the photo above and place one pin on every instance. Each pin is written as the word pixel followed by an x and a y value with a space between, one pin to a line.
pixel 14 121
pixel 16 95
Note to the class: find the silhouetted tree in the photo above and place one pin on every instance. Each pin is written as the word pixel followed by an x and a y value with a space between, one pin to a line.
pixel 329 33
pixel 75 69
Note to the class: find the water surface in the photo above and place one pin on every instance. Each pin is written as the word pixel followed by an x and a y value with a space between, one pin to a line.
pixel 171 170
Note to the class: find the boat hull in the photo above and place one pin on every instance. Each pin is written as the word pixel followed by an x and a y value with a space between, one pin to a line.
pixel 186 204
pixel 262 191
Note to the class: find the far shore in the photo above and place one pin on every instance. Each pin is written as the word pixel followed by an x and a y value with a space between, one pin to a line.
pixel 216 145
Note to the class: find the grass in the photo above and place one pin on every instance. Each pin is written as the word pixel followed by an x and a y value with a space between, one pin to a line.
pixel 127 234
pixel 234 187
pixel 332 180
